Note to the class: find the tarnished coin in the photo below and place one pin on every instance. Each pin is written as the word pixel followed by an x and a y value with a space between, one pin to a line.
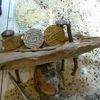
pixel 54 35
pixel 33 38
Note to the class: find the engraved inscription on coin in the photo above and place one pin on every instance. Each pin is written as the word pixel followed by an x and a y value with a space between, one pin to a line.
pixel 54 35
pixel 33 38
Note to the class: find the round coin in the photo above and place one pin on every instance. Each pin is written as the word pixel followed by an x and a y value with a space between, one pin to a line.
pixel 54 35
pixel 33 38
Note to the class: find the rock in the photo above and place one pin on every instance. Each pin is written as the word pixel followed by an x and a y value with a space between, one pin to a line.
pixel 47 81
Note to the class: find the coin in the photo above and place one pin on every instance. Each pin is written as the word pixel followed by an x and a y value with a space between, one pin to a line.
pixel 54 35
pixel 33 38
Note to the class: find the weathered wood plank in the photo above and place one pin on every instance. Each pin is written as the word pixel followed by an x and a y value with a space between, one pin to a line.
pixel 18 60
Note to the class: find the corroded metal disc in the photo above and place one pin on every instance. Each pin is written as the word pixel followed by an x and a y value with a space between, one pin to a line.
pixel 54 35
pixel 33 38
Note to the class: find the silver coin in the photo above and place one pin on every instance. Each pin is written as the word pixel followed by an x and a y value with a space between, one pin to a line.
pixel 33 38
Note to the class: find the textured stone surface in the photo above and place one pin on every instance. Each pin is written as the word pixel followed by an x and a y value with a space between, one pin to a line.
pixel 47 81
pixel 28 90
pixel 43 3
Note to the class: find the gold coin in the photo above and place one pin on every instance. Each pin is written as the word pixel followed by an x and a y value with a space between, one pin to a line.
pixel 54 35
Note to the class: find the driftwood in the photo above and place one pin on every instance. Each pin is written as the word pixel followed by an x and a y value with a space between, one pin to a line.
pixel 18 60
pixel 40 49
pixel 11 43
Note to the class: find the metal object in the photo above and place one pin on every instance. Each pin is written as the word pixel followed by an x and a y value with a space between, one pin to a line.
pixel 17 76
pixel 17 87
pixel 54 35
pixel 62 67
pixel 61 23
pixel 62 61
pixel 33 38
pixel 8 32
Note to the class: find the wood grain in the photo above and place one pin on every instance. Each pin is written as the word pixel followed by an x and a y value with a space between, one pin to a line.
pixel 18 60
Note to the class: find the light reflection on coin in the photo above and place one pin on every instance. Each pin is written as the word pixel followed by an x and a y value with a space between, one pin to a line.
pixel 33 38
pixel 54 35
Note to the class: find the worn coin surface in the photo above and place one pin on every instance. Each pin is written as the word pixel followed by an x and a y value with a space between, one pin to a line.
pixel 33 38
pixel 54 35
